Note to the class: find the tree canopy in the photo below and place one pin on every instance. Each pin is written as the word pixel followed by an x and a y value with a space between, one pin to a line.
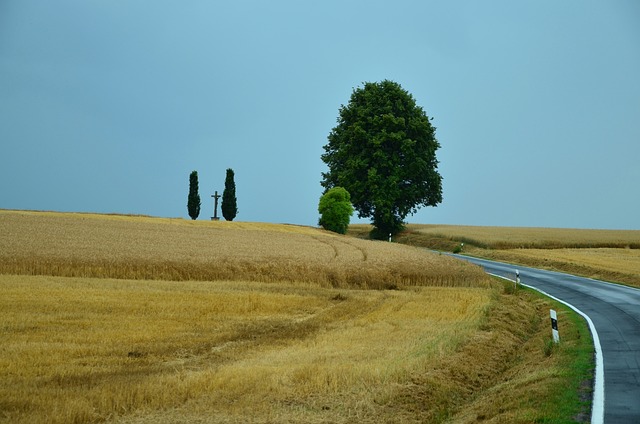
pixel 383 152
pixel 335 210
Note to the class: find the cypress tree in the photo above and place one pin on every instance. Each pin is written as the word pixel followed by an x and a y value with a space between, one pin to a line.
pixel 229 203
pixel 193 201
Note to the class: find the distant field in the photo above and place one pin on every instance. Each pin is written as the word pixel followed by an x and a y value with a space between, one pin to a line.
pixel 535 238
pixel 516 237
pixel 612 255
pixel 147 320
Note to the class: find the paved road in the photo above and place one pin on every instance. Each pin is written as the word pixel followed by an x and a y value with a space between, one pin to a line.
pixel 615 313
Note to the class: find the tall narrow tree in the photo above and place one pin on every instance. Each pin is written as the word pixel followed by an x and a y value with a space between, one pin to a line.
pixel 229 201
pixel 193 201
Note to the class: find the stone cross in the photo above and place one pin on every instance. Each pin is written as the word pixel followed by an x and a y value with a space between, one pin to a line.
pixel 215 206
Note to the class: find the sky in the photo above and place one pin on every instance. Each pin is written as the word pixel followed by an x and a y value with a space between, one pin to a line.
pixel 107 106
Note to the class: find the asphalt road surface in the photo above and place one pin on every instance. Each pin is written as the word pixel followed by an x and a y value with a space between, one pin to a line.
pixel 614 311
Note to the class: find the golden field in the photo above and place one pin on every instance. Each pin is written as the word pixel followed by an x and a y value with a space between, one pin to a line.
pixel 84 245
pixel 501 238
pixel 147 320
pixel 612 255
pixel 122 350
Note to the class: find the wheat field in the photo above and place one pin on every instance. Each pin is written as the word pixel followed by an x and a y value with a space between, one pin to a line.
pixel 137 319
pixel 531 237
pixel 99 246
pixel 78 350
pixel 130 320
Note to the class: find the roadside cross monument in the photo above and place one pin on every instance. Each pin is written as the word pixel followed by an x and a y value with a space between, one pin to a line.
pixel 215 196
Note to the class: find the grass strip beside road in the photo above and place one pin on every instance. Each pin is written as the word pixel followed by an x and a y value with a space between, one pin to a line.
pixel 545 382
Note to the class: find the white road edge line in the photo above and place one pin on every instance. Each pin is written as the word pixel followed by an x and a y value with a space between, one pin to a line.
pixel 597 403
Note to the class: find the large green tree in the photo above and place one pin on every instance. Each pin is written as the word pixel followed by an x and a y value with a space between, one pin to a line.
pixel 335 210
pixel 229 201
pixel 193 200
pixel 383 152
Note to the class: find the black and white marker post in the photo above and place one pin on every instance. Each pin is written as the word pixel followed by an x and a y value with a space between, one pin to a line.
pixel 554 326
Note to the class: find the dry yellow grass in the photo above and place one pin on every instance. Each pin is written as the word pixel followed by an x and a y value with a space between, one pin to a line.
pixel 77 350
pixel 84 245
pixel 87 350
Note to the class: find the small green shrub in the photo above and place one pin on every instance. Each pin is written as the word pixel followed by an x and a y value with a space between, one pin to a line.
pixel 335 210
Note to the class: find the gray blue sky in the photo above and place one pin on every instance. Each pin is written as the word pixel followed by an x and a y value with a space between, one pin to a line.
pixel 107 106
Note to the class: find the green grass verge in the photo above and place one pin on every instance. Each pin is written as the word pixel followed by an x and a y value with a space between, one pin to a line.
pixel 569 399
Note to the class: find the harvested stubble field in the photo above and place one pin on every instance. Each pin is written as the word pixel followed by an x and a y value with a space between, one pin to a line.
pixel 612 255
pixel 285 328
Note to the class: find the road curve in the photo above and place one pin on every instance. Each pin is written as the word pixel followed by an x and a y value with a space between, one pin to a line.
pixel 614 311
